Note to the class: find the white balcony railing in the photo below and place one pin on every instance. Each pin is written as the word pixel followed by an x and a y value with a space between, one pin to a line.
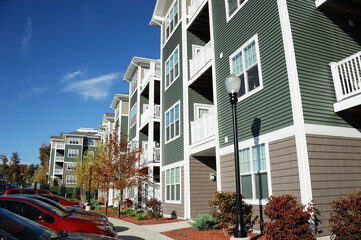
pixel 203 128
pixel 193 8
pixel 59 159
pixel 200 60
pixel 346 76
pixel 60 145
pixel 58 171
pixel 150 156
pixel 150 113
pixel 152 72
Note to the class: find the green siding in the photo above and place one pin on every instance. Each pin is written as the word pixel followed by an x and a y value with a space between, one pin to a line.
pixel 271 106
pixel 67 147
pixel 192 40
pixel 143 100
pixel 133 130
pixel 318 41
pixel 142 138
pixel 173 151
pixel 52 161
pixel 124 125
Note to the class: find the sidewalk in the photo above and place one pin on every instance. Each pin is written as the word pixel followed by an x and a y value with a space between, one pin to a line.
pixel 130 231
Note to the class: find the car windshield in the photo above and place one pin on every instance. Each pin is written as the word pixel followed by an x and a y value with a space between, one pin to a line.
pixel 50 208
pixel 22 228
pixel 53 203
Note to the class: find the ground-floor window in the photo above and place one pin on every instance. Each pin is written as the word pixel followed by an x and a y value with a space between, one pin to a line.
pixel 253 170
pixel 173 185
pixel 71 179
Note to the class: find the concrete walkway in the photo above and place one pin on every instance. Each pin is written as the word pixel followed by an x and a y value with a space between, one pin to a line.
pixel 131 231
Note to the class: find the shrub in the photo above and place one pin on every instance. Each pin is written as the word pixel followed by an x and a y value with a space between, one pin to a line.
pixel 129 211
pixel 224 211
pixel 55 182
pixel 54 190
pixel 114 208
pixel 141 215
pixel 94 203
pixel 62 190
pixel 204 222
pixel 127 203
pixel 289 219
pixel 154 208
pixel 76 193
pixel 345 219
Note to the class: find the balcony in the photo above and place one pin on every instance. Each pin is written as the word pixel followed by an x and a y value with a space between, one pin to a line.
pixel 58 171
pixel 346 76
pixel 60 145
pixel 150 156
pixel 194 8
pixel 152 72
pixel 198 64
pixel 203 128
pixel 150 113
pixel 59 159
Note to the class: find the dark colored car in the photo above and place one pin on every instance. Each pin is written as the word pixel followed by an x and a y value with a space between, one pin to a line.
pixel 26 191
pixel 67 209
pixel 55 218
pixel 63 201
pixel 13 226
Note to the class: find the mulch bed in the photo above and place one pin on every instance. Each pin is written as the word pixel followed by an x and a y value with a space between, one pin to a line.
pixel 193 234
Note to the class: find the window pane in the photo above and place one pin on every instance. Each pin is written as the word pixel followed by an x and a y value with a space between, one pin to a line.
pixel 250 54
pixel 177 128
pixel 168 192
pixel 176 56
pixel 167 119
pixel 172 197
pixel 253 78
pixel 176 70
pixel 244 161
pixel 246 187
pixel 177 192
pixel 172 176
pixel 232 6
pixel 259 158
pixel 167 177
pixel 237 64
pixel 172 131
pixel 167 67
pixel 242 89
pixel 261 186
pixel 168 132
pixel 172 115
pixel 177 175
pixel 176 111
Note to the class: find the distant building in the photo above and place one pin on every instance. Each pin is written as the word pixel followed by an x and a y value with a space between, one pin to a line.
pixel 65 150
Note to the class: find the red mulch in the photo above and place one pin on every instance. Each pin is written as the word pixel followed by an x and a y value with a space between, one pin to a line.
pixel 193 234
pixel 144 222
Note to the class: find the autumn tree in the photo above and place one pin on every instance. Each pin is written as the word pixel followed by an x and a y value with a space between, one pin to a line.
pixel 5 167
pixel 15 167
pixel 44 155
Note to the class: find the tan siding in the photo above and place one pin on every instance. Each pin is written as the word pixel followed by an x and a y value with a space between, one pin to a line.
pixel 171 208
pixel 335 168
pixel 228 173
pixel 202 188
pixel 125 107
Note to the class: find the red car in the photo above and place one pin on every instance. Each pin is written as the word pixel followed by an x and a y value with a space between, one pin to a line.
pixel 55 218
pixel 63 201
pixel 26 191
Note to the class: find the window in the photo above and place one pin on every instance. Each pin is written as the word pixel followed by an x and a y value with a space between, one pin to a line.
pixel 131 193
pixel 171 20
pixel 91 142
pixel 71 166
pixel 133 115
pixel 171 68
pixel 233 5
pixel 172 124
pixel 73 140
pixel 246 65
pixel 173 184
pixel 134 81
pixel 71 179
pixel 201 110
pixel 253 170
pixel 73 153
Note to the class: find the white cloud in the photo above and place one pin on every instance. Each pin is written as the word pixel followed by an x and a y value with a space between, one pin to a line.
pixel 32 92
pixel 94 88
pixel 28 32
pixel 72 75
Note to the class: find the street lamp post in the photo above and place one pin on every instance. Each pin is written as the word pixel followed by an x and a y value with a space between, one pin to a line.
pixel 90 181
pixel 233 84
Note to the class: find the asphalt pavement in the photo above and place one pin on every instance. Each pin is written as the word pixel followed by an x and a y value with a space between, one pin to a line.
pixel 131 231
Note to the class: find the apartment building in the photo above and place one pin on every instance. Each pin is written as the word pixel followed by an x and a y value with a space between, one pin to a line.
pixel 64 152
pixel 298 107
pixel 143 75
pixel 107 125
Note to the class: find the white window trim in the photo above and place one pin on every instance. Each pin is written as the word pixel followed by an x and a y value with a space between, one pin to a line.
pixel 229 17
pixel 68 178
pixel 135 115
pixel 74 143
pixel 180 185
pixel 198 106
pixel 195 48
pixel 69 164
pixel 256 201
pixel 175 27
pixel 260 87
pixel 165 75
pixel 76 153
pixel 165 126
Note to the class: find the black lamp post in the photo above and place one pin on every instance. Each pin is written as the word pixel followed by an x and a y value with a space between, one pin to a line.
pixel 233 84
pixel 90 181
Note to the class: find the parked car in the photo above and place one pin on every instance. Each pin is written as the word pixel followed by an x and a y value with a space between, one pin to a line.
pixel 68 209
pixel 13 226
pixel 55 218
pixel 63 201
pixel 26 191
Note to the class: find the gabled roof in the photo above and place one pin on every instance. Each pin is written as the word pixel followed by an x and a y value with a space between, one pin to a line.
pixel 119 97
pixel 158 13
pixel 137 61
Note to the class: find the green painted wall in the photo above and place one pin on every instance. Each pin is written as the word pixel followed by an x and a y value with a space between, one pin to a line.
pixel 143 100
pixel 124 125
pixel 192 40
pixel 52 161
pixel 133 130
pixel 270 108
pixel 173 151
pixel 318 41
pixel 67 147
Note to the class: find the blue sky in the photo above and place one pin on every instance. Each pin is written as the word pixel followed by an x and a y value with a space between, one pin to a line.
pixel 62 62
